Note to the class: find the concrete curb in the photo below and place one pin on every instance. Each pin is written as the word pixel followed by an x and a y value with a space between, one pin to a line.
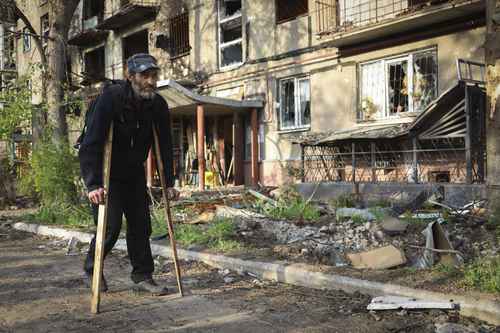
pixel 486 310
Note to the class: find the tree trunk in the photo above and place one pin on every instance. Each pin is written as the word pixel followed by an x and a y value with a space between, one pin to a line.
pixel 492 59
pixel 60 14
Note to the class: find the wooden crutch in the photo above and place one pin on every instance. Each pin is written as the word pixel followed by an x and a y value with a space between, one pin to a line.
pixel 168 215
pixel 101 226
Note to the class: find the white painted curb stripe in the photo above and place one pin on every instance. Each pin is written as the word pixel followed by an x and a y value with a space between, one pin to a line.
pixel 296 275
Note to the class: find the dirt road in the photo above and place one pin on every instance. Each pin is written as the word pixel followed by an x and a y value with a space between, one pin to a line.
pixel 42 290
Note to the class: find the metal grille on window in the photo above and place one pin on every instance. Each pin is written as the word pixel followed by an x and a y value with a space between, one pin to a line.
pixel 398 86
pixel 179 35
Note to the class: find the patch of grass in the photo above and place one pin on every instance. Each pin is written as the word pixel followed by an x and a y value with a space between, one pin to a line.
pixel 290 206
pixel 218 235
pixel 449 270
pixel 484 274
pixel 493 222
pixel 358 219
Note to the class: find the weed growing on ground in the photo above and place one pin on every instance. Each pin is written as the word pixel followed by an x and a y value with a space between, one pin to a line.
pixel 78 216
pixel 290 206
pixel 378 212
pixel 343 200
pixel 484 274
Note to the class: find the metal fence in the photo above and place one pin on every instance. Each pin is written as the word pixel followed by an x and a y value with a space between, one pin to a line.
pixel 426 161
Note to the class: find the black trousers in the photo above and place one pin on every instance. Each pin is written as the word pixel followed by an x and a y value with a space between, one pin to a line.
pixel 129 198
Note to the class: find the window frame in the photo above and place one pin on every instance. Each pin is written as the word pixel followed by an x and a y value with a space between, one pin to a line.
pixel 297 103
pixel 220 45
pixel 186 49
pixel 409 57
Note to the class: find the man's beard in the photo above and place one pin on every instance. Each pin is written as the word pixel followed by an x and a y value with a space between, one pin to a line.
pixel 142 92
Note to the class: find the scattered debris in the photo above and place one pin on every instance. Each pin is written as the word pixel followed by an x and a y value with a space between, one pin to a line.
pixel 381 258
pixel 393 226
pixel 72 249
pixel 398 302
pixel 204 217
pixel 230 212
pixel 436 239
pixel 263 197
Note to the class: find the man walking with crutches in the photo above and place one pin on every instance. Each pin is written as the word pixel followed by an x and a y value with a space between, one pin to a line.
pixel 132 108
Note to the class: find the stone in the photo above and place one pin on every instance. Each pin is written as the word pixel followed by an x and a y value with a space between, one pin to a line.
pixel 393 226
pixel 453 328
pixel 381 258
pixel 229 279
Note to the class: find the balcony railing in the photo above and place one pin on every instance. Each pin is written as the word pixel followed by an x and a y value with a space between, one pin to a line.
pixel 344 15
pixel 122 13
pixel 124 4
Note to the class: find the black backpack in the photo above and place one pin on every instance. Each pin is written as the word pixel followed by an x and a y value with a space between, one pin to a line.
pixel 90 110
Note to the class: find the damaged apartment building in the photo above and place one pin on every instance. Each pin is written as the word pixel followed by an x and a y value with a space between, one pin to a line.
pixel 266 92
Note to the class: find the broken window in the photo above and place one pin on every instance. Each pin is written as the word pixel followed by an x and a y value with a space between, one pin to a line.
pixel 135 43
pixel 95 65
pixel 288 10
pixel 92 12
pixel 44 29
pixel 7 48
pixel 26 40
pixel 393 86
pixel 179 35
pixel 397 86
pixel 295 103
pixel 230 33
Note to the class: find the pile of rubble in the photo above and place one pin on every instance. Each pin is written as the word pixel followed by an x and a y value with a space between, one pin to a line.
pixel 351 236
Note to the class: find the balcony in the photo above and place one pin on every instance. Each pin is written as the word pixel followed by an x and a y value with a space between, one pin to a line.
pixel 88 34
pixel 352 22
pixel 130 12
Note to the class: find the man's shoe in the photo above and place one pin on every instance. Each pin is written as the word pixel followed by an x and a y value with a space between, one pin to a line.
pixel 150 286
pixel 89 279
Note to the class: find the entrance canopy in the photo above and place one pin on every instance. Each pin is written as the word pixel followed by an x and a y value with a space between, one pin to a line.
pixel 183 101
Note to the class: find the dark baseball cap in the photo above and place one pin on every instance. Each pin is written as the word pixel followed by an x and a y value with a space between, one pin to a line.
pixel 141 62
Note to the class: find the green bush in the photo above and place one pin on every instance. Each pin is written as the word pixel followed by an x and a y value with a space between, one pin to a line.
pixel 484 274
pixel 55 171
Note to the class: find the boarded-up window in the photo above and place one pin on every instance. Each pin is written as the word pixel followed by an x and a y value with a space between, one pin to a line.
pixel 396 85
pixel 289 9
pixel 179 35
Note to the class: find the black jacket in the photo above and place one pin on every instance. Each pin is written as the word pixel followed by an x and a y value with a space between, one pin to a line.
pixel 132 119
